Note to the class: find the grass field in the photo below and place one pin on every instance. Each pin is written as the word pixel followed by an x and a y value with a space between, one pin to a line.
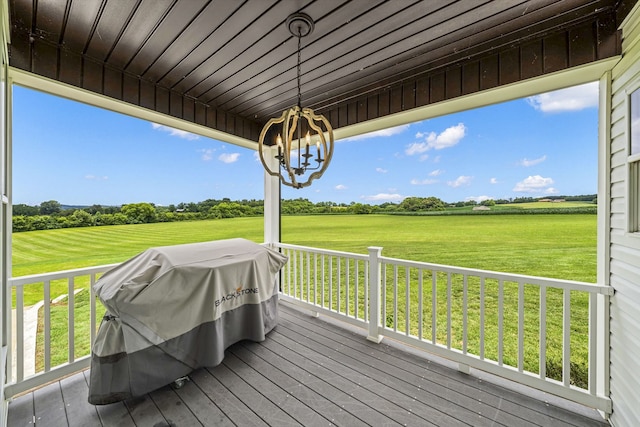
pixel 547 205
pixel 559 246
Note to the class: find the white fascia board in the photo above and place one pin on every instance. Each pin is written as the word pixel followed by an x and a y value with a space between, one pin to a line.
pixel 44 84
pixel 572 77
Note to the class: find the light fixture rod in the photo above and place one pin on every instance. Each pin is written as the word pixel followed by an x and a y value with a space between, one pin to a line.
pixel 289 128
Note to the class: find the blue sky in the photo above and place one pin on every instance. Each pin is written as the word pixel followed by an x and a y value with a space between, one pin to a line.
pixel 81 155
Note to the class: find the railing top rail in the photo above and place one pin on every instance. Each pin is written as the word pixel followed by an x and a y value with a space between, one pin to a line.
pixel 322 251
pixel 509 277
pixel 487 274
pixel 34 278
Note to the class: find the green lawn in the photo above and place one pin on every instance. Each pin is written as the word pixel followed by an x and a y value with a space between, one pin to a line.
pixel 63 249
pixel 549 205
pixel 559 246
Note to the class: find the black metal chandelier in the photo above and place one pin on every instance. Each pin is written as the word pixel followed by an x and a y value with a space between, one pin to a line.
pixel 300 159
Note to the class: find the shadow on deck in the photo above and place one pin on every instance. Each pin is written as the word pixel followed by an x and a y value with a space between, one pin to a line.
pixel 308 372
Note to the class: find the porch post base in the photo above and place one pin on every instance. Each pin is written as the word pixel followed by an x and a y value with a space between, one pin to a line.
pixel 375 338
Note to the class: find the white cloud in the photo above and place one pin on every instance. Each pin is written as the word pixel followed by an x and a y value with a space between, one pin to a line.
pixel 229 157
pixel 380 170
pixel 416 148
pixel 534 184
pixel 423 181
pixel 384 197
pixel 207 153
pixel 175 132
pixel 341 187
pixel 526 162
pixel 493 180
pixel 377 134
pixel 570 99
pixel 96 178
pixel 447 138
pixel 436 172
pixel 460 181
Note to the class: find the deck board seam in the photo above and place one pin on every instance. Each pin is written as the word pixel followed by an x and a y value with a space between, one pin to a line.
pixel 375 390
pixel 222 411
pixel 217 375
pixel 312 390
pixel 346 346
pixel 172 392
pixel 426 401
pixel 321 379
pixel 215 384
pixel 274 384
pixel 495 390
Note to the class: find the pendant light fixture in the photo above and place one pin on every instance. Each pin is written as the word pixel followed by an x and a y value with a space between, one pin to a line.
pixel 304 140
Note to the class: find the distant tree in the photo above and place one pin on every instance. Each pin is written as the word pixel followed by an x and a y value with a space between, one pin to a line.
pixel 81 218
pixel 26 210
pixel 415 204
pixel 94 209
pixel 359 208
pixel 388 205
pixel 43 222
pixel 297 206
pixel 139 213
pixel 109 219
pixel 488 202
pixel 50 207
pixel 229 210
pixel 20 223
pixel 206 205
pixel 524 200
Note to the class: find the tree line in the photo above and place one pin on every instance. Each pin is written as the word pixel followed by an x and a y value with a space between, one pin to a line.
pixel 51 214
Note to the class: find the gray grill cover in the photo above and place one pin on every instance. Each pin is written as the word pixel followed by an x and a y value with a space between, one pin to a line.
pixel 174 309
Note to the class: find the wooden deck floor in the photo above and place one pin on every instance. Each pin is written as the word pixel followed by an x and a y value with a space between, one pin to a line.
pixel 308 372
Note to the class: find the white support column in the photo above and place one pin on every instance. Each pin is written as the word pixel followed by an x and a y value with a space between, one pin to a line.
pixel 5 210
pixel 271 201
pixel 604 235
pixel 374 294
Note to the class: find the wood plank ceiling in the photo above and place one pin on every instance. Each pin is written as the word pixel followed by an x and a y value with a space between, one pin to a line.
pixel 231 64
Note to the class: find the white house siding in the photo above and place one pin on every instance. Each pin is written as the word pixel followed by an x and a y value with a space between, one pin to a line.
pixel 625 246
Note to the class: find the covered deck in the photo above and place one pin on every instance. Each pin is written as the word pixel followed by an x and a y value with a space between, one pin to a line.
pixel 310 371
pixel 332 360
pixel 222 72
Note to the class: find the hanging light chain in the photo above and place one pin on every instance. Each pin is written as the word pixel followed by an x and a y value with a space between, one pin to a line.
pixel 294 121
pixel 298 68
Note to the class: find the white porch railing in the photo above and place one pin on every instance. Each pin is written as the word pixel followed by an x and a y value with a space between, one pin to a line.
pixel 514 326
pixel 23 376
pixel 532 330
